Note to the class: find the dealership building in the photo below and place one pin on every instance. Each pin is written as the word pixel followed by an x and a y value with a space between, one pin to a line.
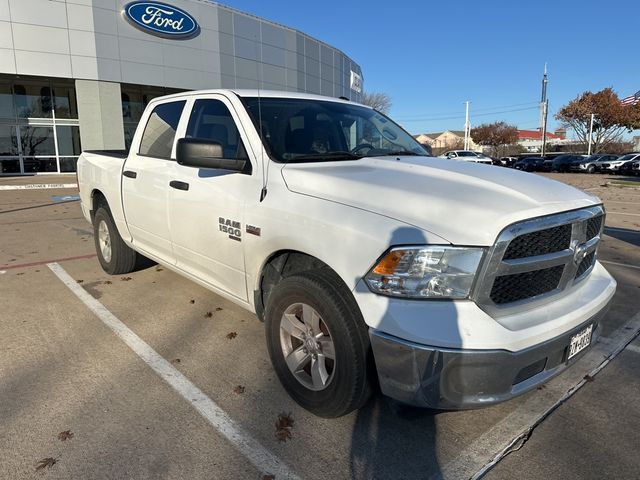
pixel 77 74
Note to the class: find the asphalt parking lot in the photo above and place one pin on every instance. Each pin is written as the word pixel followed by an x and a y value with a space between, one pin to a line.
pixel 151 376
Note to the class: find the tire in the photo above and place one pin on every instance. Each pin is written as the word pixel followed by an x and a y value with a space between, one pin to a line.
pixel 349 376
pixel 591 169
pixel 114 255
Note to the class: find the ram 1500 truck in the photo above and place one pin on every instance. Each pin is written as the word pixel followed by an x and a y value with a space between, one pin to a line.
pixel 447 285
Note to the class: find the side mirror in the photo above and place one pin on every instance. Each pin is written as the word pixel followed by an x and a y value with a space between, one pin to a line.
pixel 199 153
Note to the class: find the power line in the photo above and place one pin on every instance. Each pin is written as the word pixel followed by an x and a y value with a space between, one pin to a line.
pixel 486 109
pixel 425 119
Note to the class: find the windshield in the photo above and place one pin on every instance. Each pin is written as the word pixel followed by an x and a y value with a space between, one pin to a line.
pixel 468 154
pixel 629 156
pixel 295 130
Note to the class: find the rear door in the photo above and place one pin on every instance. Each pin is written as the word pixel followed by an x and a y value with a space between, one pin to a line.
pixel 145 181
pixel 206 213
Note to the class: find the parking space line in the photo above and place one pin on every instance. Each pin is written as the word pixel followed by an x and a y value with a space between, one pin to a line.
pixel 620 264
pixel 258 455
pixel 622 213
pixel 633 348
pixel 491 446
pixel 624 203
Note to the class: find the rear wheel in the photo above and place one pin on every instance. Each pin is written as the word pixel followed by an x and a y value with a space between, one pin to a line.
pixel 591 169
pixel 319 344
pixel 114 255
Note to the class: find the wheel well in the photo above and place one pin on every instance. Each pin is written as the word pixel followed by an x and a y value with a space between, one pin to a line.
pixel 281 265
pixel 98 200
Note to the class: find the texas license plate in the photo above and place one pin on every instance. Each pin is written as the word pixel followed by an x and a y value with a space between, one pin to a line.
pixel 580 341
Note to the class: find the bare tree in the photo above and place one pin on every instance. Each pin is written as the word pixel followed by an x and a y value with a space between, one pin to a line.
pixel 611 118
pixel 378 100
pixel 497 135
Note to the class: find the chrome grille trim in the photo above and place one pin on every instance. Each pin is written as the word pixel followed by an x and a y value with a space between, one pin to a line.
pixel 495 266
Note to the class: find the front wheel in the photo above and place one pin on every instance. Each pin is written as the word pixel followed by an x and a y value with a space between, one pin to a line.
pixel 319 344
pixel 115 256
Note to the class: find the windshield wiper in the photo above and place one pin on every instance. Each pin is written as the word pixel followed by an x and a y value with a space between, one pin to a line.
pixel 318 157
pixel 399 152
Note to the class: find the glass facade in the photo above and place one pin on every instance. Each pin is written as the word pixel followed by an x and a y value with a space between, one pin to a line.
pixel 39 129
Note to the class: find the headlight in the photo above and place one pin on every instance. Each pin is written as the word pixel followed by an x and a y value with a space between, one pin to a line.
pixel 426 272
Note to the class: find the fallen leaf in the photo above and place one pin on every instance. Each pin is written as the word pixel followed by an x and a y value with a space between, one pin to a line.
pixel 175 360
pixel 79 281
pixel 46 463
pixel 218 309
pixel 159 269
pixel 66 435
pixel 268 477
pixel 192 301
pixel 238 389
pixel 126 279
pixel 589 378
pixel 107 282
pixel 283 427
pixel 208 314
pixel 231 335
pixel 21 273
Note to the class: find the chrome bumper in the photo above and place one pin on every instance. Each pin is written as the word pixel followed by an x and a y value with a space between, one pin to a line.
pixel 443 378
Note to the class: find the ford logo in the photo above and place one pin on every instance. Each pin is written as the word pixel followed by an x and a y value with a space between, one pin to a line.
pixel 161 20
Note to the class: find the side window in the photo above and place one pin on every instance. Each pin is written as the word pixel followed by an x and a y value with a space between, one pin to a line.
pixel 211 120
pixel 160 131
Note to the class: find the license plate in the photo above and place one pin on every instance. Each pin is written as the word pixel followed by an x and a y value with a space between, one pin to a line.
pixel 580 341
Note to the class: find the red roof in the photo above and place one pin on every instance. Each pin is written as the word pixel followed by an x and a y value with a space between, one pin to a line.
pixel 534 135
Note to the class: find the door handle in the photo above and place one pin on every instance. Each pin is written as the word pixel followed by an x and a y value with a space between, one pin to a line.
pixel 178 185
pixel 129 174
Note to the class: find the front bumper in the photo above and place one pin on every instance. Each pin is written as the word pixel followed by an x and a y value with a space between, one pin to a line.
pixel 444 378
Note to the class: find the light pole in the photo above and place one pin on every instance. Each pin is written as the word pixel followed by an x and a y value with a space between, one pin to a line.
pixel 467 127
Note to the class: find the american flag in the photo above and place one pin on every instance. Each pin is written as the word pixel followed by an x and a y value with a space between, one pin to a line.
pixel 631 99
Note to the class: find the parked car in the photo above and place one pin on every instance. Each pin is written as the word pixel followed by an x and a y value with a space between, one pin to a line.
pixel 530 164
pixel 467 156
pixel 627 167
pixel 457 285
pixel 592 163
pixel 560 163
pixel 635 168
pixel 508 161
pixel 615 166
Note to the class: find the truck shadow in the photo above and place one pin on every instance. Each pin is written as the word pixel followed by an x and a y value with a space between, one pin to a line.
pixel 390 439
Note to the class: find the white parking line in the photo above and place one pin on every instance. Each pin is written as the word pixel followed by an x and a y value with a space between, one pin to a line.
pixel 38 186
pixel 510 433
pixel 624 203
pixel 633 348
pixel 258 455
pixel 620 264
pixel 622 213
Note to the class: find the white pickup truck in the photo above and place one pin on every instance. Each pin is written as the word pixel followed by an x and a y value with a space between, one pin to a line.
pixel 444 284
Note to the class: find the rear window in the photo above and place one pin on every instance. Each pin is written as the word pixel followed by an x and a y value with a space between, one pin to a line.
pixel 160 131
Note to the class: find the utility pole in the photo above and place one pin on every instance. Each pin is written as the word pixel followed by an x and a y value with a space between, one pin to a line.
pixel 590 133
pixel 467 127
pixel 544 110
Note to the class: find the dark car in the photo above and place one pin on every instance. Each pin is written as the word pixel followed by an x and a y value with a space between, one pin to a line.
pixel 592 163
pixel 629 168
pixel 561 163
pixel 508 161
pixel 529 164
pixel 635 168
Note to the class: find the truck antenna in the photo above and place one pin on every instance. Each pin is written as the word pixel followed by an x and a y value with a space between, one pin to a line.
pixel 265 173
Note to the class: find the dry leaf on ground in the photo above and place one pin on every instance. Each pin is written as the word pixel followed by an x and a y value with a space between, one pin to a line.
pixel 46 463
pixel 66 435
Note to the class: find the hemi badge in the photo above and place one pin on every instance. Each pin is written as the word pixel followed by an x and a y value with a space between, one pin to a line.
pixel 253 230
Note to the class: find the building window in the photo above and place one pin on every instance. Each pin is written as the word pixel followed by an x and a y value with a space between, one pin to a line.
pixel 39 128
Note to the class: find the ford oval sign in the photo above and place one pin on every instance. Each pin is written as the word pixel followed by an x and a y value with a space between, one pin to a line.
pixel 161 20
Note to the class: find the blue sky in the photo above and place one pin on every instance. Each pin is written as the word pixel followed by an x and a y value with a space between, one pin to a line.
pixel 432 56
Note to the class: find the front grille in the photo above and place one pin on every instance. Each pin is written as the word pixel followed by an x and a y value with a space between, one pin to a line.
pixel 540 242
pixel 593 226
pixel 511 288
pixel 534 259
pixel 585 264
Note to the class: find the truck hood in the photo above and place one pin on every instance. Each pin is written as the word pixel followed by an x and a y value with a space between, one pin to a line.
pixel 463 202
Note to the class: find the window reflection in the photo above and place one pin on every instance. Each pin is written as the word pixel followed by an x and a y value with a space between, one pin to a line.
pixel 37 141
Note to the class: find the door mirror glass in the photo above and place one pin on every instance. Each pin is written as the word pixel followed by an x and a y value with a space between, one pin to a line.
pixel 199 153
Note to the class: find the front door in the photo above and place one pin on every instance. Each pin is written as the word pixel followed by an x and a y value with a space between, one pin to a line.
pixel 206 213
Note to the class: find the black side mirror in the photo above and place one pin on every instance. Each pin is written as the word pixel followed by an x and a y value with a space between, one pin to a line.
pixel 199 153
